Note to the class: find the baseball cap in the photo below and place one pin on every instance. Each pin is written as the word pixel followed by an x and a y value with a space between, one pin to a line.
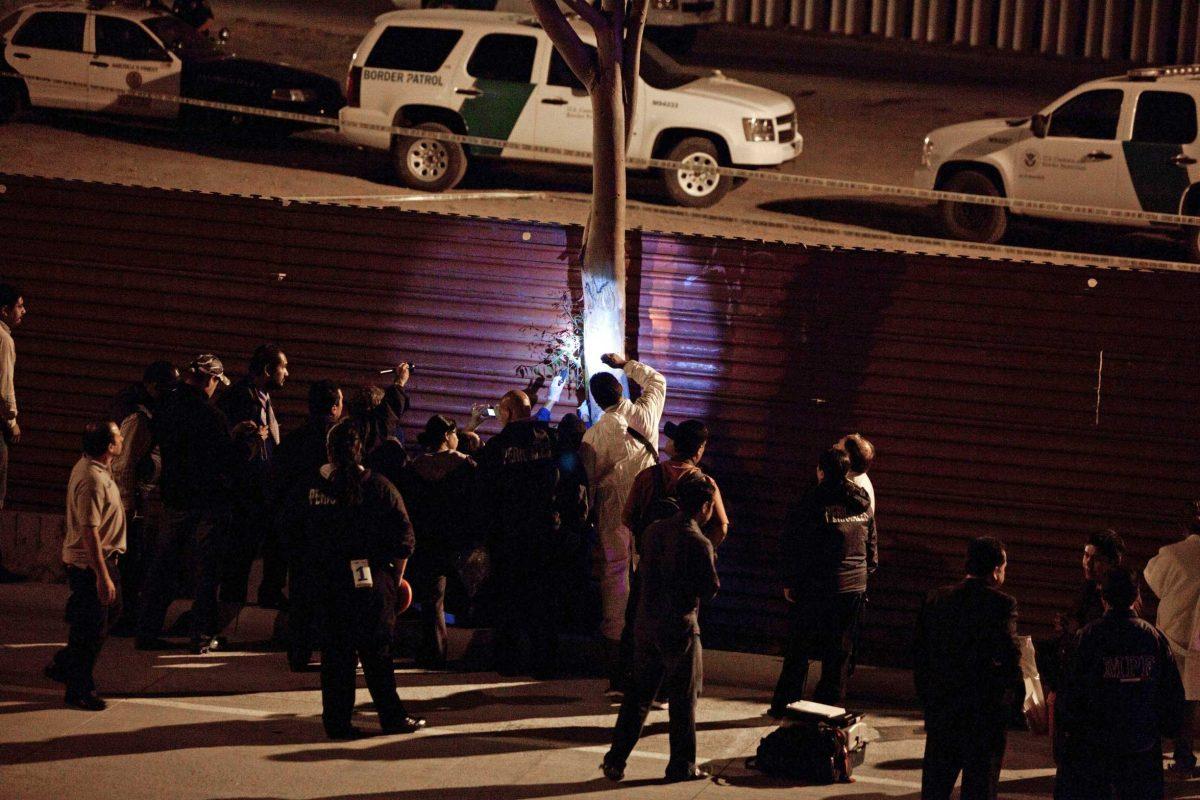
pixel 689 433
pixel 208 364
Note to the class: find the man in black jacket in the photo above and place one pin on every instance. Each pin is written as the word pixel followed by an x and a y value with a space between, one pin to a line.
pixel 249 401
pixel 299 455
pixel 1120 694
pixel 198 462
pixel 523 501
pixel 678 572
pixel 967 671
pixel 829 550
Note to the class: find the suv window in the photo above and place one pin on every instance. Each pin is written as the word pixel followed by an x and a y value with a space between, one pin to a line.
pixel 1091 115
pixel 504 57
pixel 413 49
pixel 52 30
pixel 1165 118
pixel 124 39
pixel 561 74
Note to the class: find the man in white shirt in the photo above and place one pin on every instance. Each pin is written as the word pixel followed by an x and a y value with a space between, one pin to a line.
pixel 861 453
pixel 622 443
pixel 12 311
pixel 1174 575
pixel 95 540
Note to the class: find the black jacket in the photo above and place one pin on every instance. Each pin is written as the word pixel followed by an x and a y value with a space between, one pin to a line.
pixel 966 661
pixel 333 535
pixel 199 459
pixel 521 491
pixel 1121 690
pixel 677 572
pixel 438 490
pixel 829 544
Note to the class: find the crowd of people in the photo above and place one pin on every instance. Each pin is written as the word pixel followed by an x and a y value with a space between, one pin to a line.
pixel 190 478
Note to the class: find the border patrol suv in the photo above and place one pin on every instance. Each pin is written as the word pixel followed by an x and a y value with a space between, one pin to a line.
pixel 82 57
pixel 497 75
pixel 1127 142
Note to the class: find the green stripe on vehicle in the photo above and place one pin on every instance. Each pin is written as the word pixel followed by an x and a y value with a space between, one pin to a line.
pixel 494 113
pixel 1158 181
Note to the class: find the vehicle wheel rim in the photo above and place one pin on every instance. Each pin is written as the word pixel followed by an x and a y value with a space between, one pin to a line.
pixel 696 182
pixel 975 218
pixel 428 159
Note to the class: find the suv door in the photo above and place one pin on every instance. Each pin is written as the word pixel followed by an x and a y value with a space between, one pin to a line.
pixel 1164 125
pixel 496 86
pixel 1080 160
pixel 564 111
pixel 49 45
pixel 129 57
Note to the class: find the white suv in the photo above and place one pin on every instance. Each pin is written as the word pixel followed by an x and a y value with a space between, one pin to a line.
pixel 1126 142
pixel 497 75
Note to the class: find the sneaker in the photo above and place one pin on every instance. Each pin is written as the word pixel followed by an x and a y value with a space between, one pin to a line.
pixel 206 644
pixel 658 705
pixel 694 774
pixel 612 771
pixel 85 701
pixel 153 644
pixel 55 672
pixel 405 725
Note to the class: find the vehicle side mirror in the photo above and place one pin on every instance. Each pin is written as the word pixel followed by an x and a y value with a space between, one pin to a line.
pixel 1039 124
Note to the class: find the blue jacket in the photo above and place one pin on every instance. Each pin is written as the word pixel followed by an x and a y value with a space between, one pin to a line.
pixel 1121 691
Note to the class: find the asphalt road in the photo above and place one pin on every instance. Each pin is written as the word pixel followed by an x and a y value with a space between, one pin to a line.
pixel 863 108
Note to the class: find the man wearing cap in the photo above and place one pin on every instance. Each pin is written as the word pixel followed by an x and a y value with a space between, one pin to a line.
pixel 622 443
pixel 198 458
pixel 651 498
pixel 95 540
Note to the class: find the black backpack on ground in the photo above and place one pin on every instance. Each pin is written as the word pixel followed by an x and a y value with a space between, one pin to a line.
pixel 811 753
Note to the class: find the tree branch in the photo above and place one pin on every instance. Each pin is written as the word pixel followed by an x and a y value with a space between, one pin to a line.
pixel 579 57
pixel 585 11
pixel 631 56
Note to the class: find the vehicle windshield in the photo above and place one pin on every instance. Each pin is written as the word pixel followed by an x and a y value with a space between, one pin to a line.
pixel 663 72
pixel 179 37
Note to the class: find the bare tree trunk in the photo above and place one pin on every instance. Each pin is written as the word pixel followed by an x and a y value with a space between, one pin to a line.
pixel 610 75
pixel 604 254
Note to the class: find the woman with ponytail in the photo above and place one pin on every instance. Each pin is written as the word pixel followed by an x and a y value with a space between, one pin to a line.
pixel 359 540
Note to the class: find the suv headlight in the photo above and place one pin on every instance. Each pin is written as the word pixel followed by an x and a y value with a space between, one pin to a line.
pixel 759 129
pixel 927 152
pixel 294 95
pixel 666 5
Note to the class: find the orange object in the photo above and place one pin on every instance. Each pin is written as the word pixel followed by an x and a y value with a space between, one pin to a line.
pixel 404 597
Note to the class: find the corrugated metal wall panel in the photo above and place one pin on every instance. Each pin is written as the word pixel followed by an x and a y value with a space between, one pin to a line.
pixel 977 380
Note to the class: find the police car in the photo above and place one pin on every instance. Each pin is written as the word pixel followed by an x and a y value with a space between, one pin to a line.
pixel 497 75
pixel 1127 142
pixel 83 57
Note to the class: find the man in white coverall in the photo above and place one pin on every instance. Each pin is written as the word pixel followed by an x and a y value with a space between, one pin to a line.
pixel 622 443
pixel 1174 575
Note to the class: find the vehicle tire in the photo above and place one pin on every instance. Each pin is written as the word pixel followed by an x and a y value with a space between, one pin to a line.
pixel 695 189
pixel 970 222
pixel 12 99
pixel 429 165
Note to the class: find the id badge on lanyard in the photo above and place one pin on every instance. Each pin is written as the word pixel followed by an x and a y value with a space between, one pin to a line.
pixel 361 569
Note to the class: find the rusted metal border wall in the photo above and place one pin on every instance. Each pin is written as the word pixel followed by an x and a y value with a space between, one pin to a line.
pixel 982 383
pixel 1141 31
